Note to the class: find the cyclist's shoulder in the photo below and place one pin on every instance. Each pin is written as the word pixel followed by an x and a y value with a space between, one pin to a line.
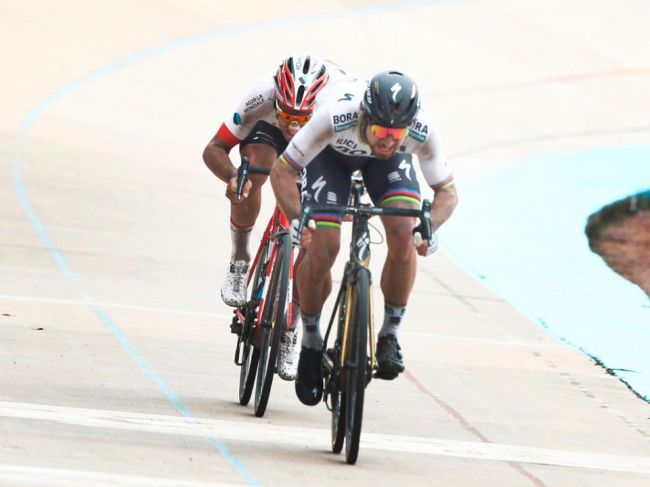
pixel 348 89
pixel 336 73
pixel 258 93
pixel 421 128
pixel 343 103
pixel 256 103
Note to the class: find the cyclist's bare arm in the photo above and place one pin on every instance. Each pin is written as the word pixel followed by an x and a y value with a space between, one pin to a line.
pixel 444 202
pixel 256 104
pixel 283 181
pixel 311 139
pixel 438 176
pixel 215 156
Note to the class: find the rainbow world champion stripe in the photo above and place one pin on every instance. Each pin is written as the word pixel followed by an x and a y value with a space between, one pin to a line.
pixel 401 195
pixel 328 220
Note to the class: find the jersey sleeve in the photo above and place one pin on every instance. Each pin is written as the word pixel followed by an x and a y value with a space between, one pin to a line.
pixel 256 104
pixel 311 140
pixel 433 163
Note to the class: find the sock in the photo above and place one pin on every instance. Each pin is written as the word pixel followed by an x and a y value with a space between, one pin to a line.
pixel 392 318
pixel 240 236
pixel 311 338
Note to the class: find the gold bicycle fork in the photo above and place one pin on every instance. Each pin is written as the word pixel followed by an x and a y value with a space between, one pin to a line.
pixel 350 303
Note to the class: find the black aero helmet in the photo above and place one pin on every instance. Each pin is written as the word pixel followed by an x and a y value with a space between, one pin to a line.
pixel 391 99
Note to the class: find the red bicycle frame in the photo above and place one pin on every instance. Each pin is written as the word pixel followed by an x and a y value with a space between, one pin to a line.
pixel 277 223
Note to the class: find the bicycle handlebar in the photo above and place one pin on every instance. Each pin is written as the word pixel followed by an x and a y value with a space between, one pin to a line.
pixel 242 174
pixel 424 214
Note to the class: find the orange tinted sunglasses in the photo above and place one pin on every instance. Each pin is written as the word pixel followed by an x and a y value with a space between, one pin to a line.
pixel 288 117
pixel 383 132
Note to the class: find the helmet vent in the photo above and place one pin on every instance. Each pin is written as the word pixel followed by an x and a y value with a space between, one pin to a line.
pixel 301 93
pixel 305 67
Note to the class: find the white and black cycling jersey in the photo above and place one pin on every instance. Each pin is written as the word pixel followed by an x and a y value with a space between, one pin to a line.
pixel 336 124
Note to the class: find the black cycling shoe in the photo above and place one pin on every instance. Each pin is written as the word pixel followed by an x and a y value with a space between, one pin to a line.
pixel 309 380
pixel 389 358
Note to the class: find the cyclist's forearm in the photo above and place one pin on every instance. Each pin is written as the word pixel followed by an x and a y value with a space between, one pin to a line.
pixel 283 181
pixel 443 205
pixel 217 160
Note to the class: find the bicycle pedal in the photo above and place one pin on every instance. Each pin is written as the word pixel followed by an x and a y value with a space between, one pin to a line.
pixel 236 327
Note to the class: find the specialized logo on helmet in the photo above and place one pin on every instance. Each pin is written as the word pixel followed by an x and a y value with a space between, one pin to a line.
pixel 395 89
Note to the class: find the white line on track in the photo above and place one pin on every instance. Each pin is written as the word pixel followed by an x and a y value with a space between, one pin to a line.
pixel 238 431
pixel 77 302
pixel 56 477
pixel 222 316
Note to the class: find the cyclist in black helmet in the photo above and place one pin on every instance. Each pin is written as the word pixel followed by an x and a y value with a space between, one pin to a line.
pixel 374 127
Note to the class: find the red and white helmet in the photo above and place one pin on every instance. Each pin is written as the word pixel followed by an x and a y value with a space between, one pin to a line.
pixel 297 82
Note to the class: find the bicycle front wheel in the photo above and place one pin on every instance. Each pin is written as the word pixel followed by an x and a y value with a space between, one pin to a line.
pixel 356 364
pixel 273 323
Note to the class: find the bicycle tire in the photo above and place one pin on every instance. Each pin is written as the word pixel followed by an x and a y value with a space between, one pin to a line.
pixel 337 396
pixel 247 372
pixel 357 358
pixel 275 316
pixel 251 354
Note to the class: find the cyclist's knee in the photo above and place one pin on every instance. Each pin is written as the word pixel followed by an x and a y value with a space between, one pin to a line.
pixel 258 181
pixel 259 155
pixel 399 238
pixel 323 249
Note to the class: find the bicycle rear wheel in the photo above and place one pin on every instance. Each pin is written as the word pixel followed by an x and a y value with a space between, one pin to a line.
pixel 273 323
pixel 250 354
pixel 356 366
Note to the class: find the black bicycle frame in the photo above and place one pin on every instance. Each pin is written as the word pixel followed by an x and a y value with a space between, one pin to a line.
pixel 360 243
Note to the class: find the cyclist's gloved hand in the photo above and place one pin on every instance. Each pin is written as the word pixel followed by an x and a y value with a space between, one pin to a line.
pixel 301 238
pixel 425 248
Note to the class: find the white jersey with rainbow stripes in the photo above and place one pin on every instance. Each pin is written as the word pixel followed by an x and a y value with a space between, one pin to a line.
pixel 336 124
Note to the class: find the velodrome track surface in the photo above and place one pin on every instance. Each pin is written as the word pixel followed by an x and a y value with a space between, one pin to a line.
pixel 116 358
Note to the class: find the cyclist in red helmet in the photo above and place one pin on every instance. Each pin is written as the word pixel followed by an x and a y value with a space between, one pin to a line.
pixel 265 120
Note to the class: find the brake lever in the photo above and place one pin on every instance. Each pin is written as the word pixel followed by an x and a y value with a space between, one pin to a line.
pixel 305 214
pixel 424 228
pixel 242 176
